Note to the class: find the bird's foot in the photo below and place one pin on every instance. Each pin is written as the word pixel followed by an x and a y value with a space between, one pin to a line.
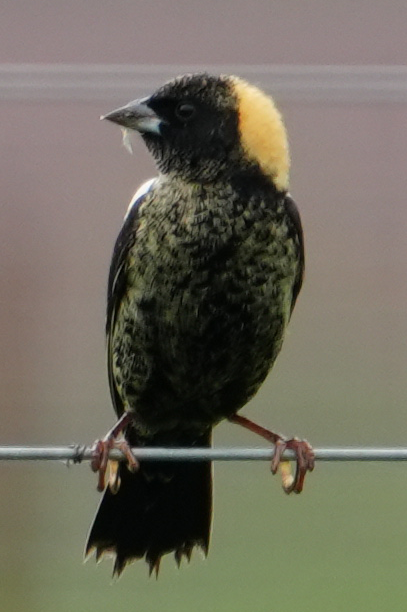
pixel 305 462
pixel 304 454
pixel 101 450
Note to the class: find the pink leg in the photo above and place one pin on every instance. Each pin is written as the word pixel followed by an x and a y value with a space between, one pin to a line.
pixel 305 458
pixel 102 448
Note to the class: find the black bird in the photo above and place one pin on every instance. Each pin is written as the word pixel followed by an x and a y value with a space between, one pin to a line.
pixel 204 277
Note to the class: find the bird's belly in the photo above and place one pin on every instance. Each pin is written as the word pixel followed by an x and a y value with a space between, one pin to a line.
pixel 189 357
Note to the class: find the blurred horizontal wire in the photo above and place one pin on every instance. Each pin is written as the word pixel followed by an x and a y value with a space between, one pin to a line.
pixel 78 453
pixel 118 82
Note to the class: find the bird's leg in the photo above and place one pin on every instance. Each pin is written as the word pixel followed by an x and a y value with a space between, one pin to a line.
pixel 101 451
pixel 304 454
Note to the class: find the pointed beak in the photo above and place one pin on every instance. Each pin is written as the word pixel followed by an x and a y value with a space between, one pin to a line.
pixel 136 115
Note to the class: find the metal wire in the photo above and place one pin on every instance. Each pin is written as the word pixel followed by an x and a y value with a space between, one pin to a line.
pixel 118 82
pixel 78 453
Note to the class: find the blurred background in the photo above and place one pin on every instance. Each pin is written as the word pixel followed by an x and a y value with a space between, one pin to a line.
pixel 336 72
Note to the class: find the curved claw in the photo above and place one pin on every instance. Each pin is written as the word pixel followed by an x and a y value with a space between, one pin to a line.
pixel 100 461
pixel 304 454
pixel 305 462
pixel 100 455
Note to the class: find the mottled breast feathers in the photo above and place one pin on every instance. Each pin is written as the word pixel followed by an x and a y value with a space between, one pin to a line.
pixel 119 270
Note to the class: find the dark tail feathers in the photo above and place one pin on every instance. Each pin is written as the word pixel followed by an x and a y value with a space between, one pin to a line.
pixel 164 507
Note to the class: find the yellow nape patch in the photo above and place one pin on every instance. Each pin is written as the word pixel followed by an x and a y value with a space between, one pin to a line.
pixel 262 132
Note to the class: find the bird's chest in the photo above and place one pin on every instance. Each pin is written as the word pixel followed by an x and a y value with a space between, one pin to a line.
pixel 208 298
pixel 212 277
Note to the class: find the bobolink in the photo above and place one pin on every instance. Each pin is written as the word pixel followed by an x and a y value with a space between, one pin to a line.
pixel 204 278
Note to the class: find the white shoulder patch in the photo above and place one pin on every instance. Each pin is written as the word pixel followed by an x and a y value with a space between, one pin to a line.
pixel 141 191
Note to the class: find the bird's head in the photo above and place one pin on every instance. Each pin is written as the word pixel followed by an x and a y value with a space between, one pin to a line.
pixel 202 127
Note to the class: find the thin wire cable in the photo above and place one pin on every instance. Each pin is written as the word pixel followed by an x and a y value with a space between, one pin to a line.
pixel 78 453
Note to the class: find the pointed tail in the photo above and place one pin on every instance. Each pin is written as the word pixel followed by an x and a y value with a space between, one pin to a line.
pixel 163 507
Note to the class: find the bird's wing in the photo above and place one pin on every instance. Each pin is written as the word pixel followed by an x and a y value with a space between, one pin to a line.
pixel 298 236
pixel 117 284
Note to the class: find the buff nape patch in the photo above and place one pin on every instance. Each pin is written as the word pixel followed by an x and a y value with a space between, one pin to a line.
pixel 262 132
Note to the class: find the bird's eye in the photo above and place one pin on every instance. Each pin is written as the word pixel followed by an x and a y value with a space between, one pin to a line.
pixel 185 111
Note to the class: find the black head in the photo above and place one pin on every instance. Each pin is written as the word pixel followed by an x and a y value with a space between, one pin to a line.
pixel 201 127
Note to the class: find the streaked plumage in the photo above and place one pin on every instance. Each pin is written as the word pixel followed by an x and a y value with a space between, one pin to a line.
pixel 204 277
